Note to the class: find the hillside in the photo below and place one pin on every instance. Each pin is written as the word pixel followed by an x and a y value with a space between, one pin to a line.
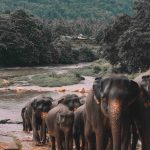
pixel 70 9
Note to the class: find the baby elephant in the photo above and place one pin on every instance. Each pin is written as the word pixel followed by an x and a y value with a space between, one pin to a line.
pixel 34 112
pixel 60 127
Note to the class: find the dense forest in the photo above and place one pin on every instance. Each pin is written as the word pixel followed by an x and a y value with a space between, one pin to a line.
pixel 26 41
pixel 126 42
pixel 70 9
pixel 44 32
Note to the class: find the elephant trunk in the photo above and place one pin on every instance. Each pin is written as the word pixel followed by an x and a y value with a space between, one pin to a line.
pixel 115 112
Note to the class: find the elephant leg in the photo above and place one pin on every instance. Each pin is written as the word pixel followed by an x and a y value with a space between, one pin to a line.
pixel 88 135
pixel 36 137
pixel 43 132
pixel 83 141
pixel 77 140
pixel 106 141
pixel 53 143
pixel 135 137
pixel 145 139
pixel 59 140
pixel 70 141
pixel 24 126
pixel 99 140
pixel 110 144
pixel 125 133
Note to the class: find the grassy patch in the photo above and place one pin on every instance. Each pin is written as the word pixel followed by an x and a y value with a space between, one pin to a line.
pixel 101 68
pixel 98 68
pixel 54 80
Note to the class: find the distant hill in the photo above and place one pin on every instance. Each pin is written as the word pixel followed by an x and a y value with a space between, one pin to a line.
pixel 70 9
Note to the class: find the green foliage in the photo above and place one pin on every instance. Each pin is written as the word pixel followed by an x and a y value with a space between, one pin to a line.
pixel 26 41
pixel 48 80
pixel 64 50
pixel 97 69
pixel 86 55
pixel 127 41
pixel 70 9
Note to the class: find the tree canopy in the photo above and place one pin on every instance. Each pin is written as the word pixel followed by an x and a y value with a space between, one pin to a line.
pixel 127 40
pixel 26 40
pixel 70 9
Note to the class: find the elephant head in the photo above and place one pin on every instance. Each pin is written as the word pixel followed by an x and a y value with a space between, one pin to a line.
pixel 65 120
pixel 41 103
pixel 115 95
pixel 72 101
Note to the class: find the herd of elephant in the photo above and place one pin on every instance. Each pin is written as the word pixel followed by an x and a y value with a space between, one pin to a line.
pixel 113 116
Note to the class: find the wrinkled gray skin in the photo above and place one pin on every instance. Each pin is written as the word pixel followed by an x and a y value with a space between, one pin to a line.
pixel 108 108
pixel 78 127
pixel 34 110
pixel 60 127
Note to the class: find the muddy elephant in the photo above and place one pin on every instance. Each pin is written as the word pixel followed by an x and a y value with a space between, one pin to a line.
pixel 78 127
pixel 35 109
pixel 108 111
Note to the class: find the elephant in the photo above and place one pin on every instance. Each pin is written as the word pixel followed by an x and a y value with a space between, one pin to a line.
pixel 23 118
pixel 60 127
pixel 108 111
pixel 78 127
pixel 68 103
pixel 35 109
pixel 26 120
pixel 141 113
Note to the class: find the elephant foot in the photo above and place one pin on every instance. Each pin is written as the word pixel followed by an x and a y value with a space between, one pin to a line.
pixel 43 142
pixel 37 143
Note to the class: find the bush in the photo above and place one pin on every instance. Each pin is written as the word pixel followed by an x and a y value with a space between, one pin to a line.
pixel 86 55
pixel 25 41
pixel 64 50
pixel 97 69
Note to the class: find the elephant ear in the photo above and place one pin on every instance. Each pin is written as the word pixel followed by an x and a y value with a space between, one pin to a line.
pixel 34 104
pixel 134 90
pixel 58 120
pixel 61 100
pixel 96 87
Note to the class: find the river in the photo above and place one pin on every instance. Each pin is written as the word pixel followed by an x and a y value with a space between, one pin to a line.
pixel 13 98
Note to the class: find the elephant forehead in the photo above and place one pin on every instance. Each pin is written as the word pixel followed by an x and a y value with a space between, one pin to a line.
pixel 66 113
